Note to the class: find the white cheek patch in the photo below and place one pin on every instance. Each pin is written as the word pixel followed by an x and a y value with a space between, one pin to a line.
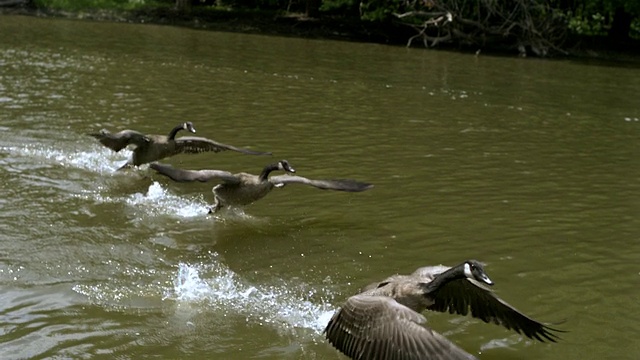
pixel 467 271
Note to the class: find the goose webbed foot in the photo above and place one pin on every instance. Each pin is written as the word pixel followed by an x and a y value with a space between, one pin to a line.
pixel 214 208
pixel 127 165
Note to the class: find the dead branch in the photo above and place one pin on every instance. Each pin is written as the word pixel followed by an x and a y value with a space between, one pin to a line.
pixel 519 24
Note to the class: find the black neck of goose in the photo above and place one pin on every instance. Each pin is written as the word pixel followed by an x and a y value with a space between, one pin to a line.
pixel 452 274
pixel 267 170
pixel 174 131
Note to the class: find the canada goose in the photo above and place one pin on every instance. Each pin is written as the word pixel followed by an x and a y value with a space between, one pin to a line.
pixel 384 321
pixel 243 188
pixel 155 147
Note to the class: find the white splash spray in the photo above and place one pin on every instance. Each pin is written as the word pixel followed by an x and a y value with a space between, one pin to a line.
pixel 159 201
pixel 101 160
pixel 156 201
pixel 278 306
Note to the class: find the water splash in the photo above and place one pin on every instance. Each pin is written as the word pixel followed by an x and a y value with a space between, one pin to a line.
pixel 101 160
pixel 505 343
pixel 159 201
pixel 284 307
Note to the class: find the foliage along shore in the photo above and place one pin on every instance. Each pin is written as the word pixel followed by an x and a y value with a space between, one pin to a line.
pixel 325 27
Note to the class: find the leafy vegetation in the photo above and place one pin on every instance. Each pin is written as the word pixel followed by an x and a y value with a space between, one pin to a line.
pixel 76 5
pixel 530 26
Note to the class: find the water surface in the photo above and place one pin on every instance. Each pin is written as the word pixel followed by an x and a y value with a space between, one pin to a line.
pixel 529 166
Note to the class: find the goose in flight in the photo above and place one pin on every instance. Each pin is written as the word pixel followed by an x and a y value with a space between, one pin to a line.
pixel 384 321
pixel 243 188
pixel 149 148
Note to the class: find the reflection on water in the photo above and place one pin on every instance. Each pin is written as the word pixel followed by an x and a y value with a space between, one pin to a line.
pixel 530 166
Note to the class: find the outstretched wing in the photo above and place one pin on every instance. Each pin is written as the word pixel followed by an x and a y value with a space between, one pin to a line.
pixel 379 328
pixel 340 185
pixel 120 140
pixel 193 144
pixel 460 296
pixel 181 175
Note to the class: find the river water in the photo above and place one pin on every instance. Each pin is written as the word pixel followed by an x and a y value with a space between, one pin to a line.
pixel 530 166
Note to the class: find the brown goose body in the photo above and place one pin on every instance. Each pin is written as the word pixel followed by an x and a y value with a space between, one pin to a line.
pixel 149 148
pixel 384 321
pixel 247 190
pixel 243 188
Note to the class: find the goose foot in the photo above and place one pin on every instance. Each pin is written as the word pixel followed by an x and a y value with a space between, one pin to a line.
pixel 213 209
pixel 217 205
pixel 127 165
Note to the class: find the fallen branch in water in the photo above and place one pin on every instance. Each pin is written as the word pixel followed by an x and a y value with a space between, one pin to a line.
pixel 524 25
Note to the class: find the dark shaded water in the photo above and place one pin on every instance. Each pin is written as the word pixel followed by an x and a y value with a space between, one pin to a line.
pixel 530 166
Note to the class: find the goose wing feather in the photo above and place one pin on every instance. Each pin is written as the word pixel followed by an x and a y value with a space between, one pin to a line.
pixel 120 140
pixel 339 185
pixel 194 144
pixel 423 274
pixel 379 284
pixel 181 175
pixel 430 272
pixel 379 328
pixel 462 295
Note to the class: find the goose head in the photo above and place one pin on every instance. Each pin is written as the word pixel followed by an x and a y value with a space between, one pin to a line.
pixel 474 270
pixel 280 165
pixel 284 165
pixel 189 127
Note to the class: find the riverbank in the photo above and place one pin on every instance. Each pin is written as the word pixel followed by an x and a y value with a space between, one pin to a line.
pixel 297 25
pixel 254 22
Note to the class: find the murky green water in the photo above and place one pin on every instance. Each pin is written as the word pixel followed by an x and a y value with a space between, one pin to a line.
pixel 530 166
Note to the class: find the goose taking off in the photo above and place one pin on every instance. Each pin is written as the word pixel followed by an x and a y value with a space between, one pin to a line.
pixel 384 321
pixel 150 148
pixel 243 189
